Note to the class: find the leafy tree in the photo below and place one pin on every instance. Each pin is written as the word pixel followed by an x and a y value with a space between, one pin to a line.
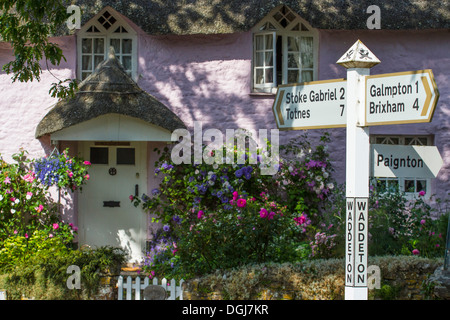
pixel 27 25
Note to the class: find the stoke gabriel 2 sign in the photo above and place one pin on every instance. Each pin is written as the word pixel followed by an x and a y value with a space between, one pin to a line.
pixel 356 242
pixel 311 105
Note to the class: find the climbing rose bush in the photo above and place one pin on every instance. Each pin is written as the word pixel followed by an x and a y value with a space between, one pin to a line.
pixel 29 219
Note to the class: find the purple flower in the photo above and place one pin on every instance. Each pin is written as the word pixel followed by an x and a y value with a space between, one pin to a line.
pixel 166 228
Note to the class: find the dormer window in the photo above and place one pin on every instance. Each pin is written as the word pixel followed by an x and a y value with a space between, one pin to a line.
pixel 105 30
pixel 285 50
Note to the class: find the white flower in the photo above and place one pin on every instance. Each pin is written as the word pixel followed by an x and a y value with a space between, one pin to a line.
pixel 325 175
pixel 16 201
pixel 1 197
pixel 13 211
pixel 330 185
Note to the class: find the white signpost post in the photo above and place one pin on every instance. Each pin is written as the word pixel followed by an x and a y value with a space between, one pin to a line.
pixel 356 103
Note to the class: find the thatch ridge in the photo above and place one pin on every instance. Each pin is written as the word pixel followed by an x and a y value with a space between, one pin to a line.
pixel 183 17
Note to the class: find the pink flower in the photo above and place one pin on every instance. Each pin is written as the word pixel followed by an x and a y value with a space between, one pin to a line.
pixel 271 215
pixel 50 235
pixel 422 193
pixel 87 177
pixel 199 214
pixel 55 226
pixel 263 213
pixel 26 235
pixel 415 252
pixel 29 195
pixel 87 163
pixel 131 197
pixel 235 195
pixel 28 178
pixel 7 180
pixel 39 209
pixel 70 174
pixel 15 231
pixel 422 221
pixel 241 203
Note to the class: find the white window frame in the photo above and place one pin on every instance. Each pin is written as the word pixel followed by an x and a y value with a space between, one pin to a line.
pixel 107 35
pixel 424 140
pixel 283 32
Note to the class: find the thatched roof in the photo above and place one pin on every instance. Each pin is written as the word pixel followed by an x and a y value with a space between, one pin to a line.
pixel 229 16
pixel 108 90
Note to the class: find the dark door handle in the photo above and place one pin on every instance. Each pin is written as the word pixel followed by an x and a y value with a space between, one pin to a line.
pixel 136 190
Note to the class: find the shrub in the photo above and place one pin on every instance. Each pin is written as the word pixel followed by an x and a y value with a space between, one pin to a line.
pixel 29 219
pixel 227 215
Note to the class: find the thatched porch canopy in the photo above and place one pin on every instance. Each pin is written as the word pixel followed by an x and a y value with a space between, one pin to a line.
pixel 108 90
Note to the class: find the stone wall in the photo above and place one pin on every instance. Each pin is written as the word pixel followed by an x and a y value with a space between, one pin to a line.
pixel 402 278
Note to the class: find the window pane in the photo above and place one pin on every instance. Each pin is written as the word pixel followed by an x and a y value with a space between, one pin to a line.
pixel 126 62
pixel 98 60
pixel 269 59
pixel 293 60
pixel 306 44
pixel 99 156
pixel 259 76
pixel 259 42
pixel 115 43
pixel 269 76
pixel 84 75
pixel 125 156
pixel 421 185
pixel 307 60
pixel 293 76
pixel 86 45
pixel 409 186
pixel 99 45
pixel 307 76
pixel 126 45
pixel 269 41
pixel 293 44
pixel 86 63
pixel 259 59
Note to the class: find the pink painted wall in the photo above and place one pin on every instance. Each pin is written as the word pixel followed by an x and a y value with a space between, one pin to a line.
pixel 208 79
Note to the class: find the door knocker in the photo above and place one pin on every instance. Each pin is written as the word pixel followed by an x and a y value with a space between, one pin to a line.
pixel 112 171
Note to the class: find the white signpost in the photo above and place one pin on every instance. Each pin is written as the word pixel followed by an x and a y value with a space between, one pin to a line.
pixel 357 103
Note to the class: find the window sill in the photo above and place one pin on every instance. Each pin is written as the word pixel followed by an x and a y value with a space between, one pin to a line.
pixel 262 94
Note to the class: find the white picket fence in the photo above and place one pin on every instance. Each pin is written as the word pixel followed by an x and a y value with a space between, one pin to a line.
pixel 134 288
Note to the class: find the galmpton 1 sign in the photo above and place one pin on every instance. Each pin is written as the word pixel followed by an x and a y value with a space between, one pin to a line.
pixel 403 97
pixel 358 102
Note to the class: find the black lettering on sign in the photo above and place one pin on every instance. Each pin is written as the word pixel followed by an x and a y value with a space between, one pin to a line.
pixel 350 243
pixel 360 246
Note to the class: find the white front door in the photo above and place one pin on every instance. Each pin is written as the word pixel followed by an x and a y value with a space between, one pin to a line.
pixel 107 217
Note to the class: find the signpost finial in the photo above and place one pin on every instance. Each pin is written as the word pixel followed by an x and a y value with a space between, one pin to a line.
pixel 358 56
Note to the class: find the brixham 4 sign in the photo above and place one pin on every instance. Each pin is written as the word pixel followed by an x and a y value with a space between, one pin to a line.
pixel 356 103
